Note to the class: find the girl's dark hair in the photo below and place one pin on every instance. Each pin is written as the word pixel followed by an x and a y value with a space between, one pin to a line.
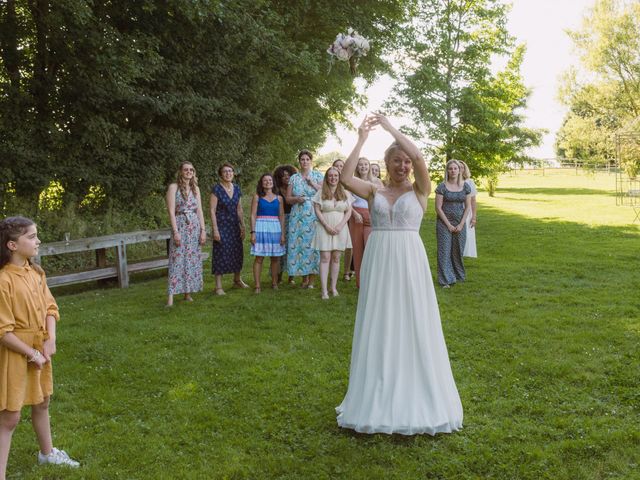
pixel 260 189
pixel 12 228
pixel 277 176
pixel 305 152
pixel 225 165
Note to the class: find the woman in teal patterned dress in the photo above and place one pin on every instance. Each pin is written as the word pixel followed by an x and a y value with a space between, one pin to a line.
pixel 302 259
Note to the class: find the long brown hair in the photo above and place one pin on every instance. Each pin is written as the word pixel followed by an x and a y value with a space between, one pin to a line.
pixel 327 194
pixel 184 185
pixel 12 228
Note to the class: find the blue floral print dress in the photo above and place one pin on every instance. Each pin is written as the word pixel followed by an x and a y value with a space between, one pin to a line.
pixel 302 258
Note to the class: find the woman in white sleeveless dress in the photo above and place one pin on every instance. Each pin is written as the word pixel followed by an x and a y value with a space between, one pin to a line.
pixel 400 380
pixel 470 245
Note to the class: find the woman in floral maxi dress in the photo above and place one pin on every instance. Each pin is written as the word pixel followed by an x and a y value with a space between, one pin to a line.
pixel 187 234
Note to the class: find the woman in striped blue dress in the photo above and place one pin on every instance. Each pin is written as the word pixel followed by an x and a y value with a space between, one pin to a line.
pixel 267 229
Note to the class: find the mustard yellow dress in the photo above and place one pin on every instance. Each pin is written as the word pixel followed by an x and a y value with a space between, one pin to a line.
pixel 25 303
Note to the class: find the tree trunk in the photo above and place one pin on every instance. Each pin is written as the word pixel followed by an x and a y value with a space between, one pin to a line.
pixel 41 76
pixel 9 44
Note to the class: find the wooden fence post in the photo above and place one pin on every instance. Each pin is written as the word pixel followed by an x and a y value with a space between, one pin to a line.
pixel 121 265
pixel 101 262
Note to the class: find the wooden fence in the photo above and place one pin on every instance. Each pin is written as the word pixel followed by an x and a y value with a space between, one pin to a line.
pixel 122 268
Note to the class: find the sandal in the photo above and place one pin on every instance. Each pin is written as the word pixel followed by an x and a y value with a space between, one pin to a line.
pixel 325 296
pixel 219 291
pixel 335 293
pixel 239 284
pixel 346 277
pixel 274 286
pixel 257 290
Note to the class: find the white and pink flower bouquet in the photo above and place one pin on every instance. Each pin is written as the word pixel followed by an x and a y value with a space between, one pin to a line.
pixel 349 47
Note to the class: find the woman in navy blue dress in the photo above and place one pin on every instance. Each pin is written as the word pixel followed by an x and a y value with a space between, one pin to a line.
pixel 227 219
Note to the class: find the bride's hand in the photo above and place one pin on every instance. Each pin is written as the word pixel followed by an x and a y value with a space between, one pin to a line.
pixel 365 127
pixel 380 119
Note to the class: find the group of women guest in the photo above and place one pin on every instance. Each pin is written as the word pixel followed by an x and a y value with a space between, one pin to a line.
pixel 273 220
pixel 455 207
pixel 188 232
pixel 302 221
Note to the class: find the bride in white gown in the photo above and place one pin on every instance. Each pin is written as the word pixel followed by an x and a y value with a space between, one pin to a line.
pixel 400 380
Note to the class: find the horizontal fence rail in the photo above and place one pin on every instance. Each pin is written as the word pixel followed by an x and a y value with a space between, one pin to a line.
pixel 119 241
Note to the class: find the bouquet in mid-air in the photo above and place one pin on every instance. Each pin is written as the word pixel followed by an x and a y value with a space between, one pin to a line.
pixel 349 47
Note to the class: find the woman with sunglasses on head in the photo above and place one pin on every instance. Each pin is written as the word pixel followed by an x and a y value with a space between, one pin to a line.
pixel 187 234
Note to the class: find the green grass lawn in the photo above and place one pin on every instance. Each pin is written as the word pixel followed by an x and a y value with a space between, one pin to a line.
pixel 543 340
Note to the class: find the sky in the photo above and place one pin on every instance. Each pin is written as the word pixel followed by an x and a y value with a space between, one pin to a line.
pixel 541 25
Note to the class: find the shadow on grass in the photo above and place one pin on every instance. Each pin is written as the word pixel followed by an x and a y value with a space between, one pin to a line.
pixel 395 438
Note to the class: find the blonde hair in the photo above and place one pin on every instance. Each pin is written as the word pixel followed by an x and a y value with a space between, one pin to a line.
pixel 391 149
pixel 371 164
pixel 460 174
pixel 388 153
pixel 327 194
pixel 466 173
pixel 369 177
pixel 184 185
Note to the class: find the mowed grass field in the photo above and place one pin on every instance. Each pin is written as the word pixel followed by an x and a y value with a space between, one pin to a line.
pixel 543 340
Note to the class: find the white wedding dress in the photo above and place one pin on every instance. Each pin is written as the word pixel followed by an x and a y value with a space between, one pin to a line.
pixel 470 249
pixel 400 380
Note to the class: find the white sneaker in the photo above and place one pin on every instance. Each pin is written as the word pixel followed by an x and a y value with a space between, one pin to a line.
pixel 57 457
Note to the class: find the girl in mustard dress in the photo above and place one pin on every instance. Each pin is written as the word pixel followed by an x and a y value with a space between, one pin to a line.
pixel 28 316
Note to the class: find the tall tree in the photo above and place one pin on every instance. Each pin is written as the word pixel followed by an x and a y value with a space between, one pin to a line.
pixel 447 87
pixel 114 94
pixel 603 92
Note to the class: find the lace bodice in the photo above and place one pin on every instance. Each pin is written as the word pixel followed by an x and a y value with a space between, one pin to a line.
pixel 405 214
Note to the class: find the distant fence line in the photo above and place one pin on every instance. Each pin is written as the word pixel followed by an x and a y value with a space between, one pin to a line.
pixel 556 164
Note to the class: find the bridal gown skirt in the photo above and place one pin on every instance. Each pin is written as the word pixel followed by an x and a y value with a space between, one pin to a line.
pixel 470 249
pixel 400 379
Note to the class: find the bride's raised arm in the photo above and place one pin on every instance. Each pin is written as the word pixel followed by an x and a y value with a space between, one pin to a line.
pixel 420 170
pixel 349 181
